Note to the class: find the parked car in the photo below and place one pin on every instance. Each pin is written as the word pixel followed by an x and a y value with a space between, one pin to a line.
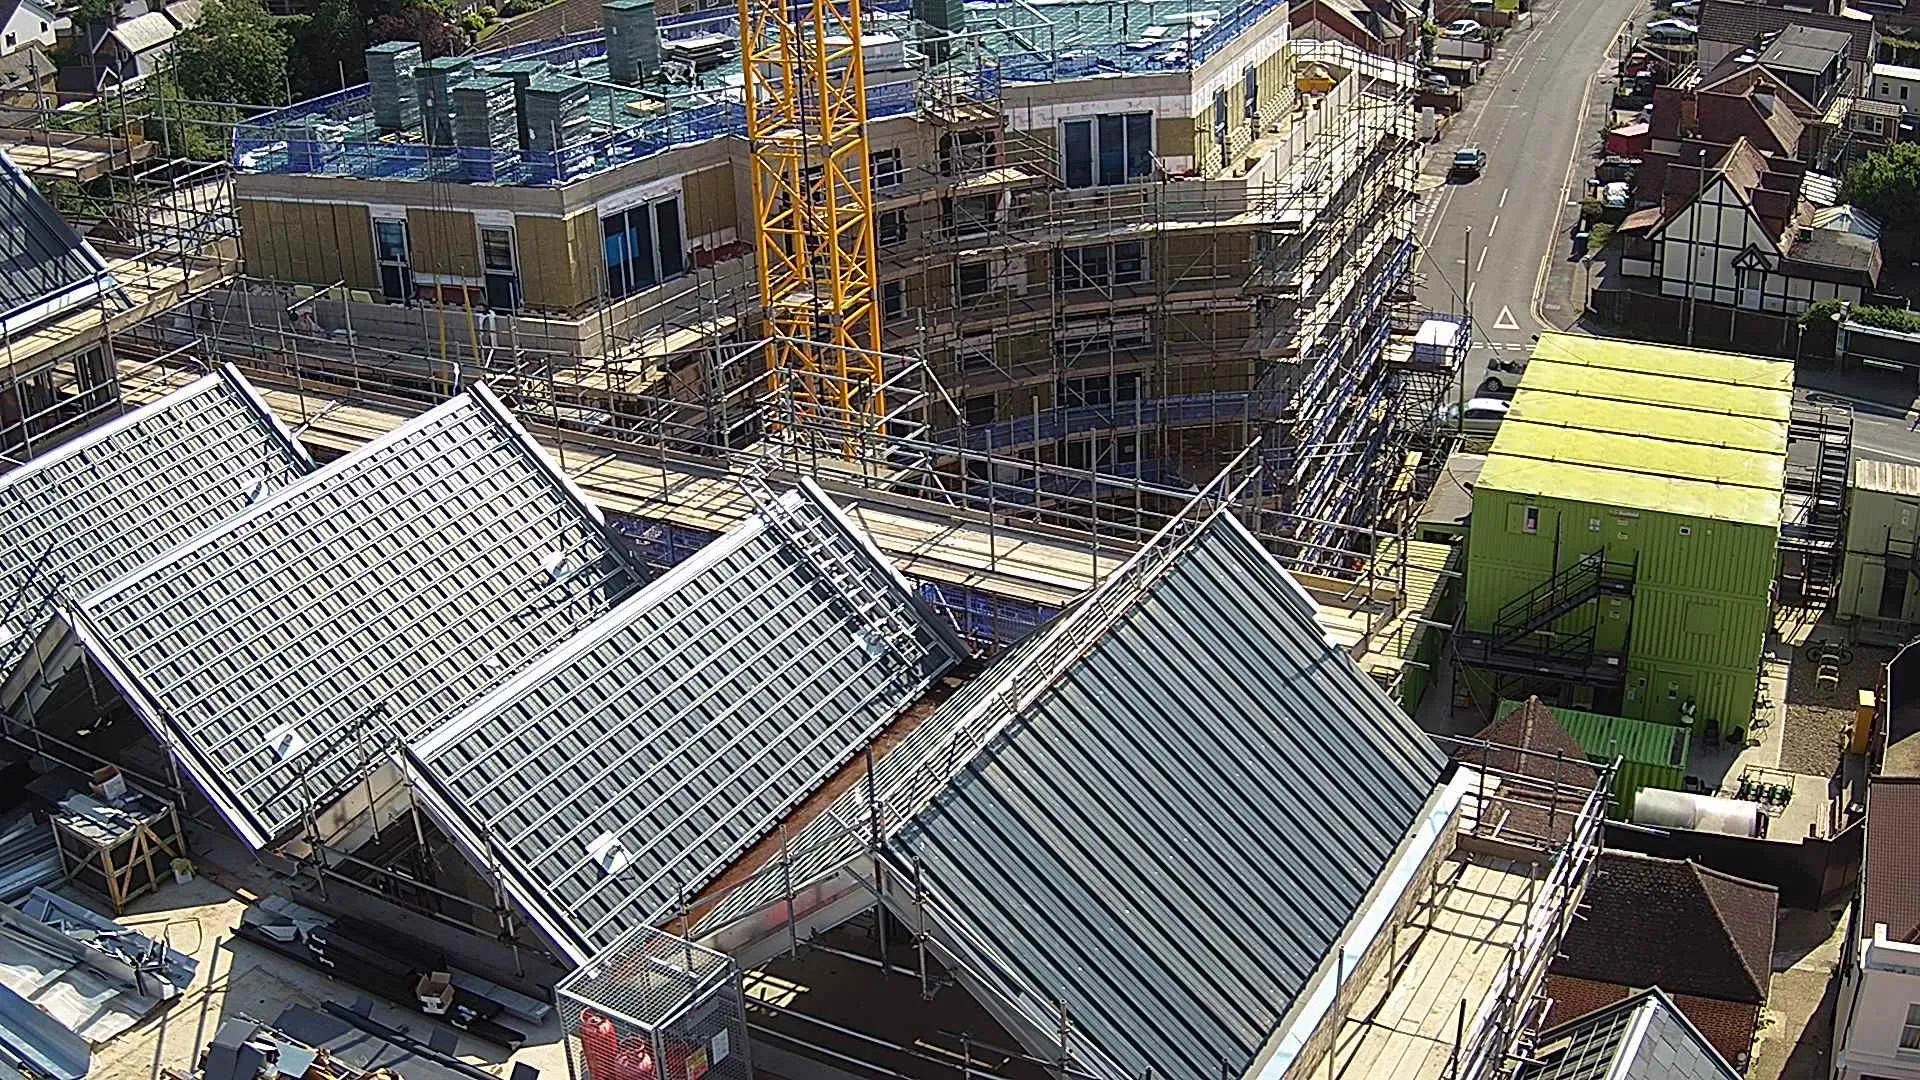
pixel 1686 8
pixel 1436 82
pixel 1483 416
pixel 1461 28
pixel 1672 30
pixel 1503 375
pixel 1468 163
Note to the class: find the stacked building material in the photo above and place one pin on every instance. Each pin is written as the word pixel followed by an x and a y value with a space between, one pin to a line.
pixel 633 40
pixel 522 72
pixel 556 113
pixel 435 80
pixel 390 83
pixel 28 857
pixel 484 116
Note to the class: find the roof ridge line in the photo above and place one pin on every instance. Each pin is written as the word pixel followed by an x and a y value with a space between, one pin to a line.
pixel 1704 874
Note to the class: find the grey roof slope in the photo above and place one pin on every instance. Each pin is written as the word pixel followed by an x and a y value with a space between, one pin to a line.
pixel 1169 839
pixel 45 267
pixel 96 508
pixel 626 769
pixel 376 597
pixel 1644 1036
pixel 1805 49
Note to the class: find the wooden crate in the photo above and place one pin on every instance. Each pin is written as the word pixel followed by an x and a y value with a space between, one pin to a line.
pixel 121 849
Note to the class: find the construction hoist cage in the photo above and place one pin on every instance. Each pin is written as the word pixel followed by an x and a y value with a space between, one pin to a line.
pixel 806 103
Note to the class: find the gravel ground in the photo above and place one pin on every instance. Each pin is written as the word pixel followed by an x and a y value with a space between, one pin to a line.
pixel 1817 715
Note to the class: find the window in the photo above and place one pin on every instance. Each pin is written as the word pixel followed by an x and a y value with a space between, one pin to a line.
pixel 966 152
pixel 1250 89
pixel 498 260
pixel 973 280
pixel 981 410
pixel 892 227
pixel 390 252
pixel 1109 149
pixel 1102 266
pixel 1220 123
pixel 1102 389
pixel 1097 334
pixel 1077 454
pixel 11 40
pixel 1530 522
pixel 971 215
pixel 887 170
pixel 1903 90
pixel 643 247
pixel 893 299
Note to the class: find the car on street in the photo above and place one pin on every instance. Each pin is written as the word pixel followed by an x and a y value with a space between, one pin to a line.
pixel 1468 163
pixel 1672 30
pixel 1687 8
pixel 1502 376
pixel 1436 82
pixel 1461 28
pixel 1483 416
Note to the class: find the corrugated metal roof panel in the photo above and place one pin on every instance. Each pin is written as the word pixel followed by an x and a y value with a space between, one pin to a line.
pixel 624 771
pixel 1169 840
pixel 376 597
pixel 1886 477
pixel 98 507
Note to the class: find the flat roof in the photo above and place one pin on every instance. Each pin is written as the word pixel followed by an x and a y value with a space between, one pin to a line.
pixel 1649 427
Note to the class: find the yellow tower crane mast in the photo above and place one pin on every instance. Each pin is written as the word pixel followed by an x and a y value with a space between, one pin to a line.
pixel 806 105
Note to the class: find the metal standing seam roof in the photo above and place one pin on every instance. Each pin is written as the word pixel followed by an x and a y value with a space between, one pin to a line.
pixel 1647 427
pixel 281 652
pixel 98 507
pixel 45 267
pixel 1168 841
pixel 625 770
pixel 1644 1036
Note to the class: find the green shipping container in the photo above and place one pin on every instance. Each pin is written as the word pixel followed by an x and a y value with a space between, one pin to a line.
pixel 1651 755
pixel 1668 461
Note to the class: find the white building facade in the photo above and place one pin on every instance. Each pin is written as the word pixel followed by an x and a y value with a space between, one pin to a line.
pixel 1876 1029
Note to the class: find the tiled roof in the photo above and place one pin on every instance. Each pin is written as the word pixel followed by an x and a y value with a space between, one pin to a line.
pixel 1532 727
pixel 1713 936
pixel 1890 870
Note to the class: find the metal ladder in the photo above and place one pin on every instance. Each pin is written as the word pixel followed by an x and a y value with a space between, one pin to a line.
pixel 876 612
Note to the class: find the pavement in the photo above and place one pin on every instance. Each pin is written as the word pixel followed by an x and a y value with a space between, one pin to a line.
pixel 1487 243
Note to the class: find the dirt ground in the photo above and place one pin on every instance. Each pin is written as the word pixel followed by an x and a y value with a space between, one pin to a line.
pixel 1796 1027
pixel 1816 715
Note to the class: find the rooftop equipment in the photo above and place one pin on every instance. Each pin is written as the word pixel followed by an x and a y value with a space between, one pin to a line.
pixel 633 40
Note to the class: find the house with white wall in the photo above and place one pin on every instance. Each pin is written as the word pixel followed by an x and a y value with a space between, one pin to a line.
pixel 25 23
pixel 1876 1030
pixel 1896 84
pixel 1737 233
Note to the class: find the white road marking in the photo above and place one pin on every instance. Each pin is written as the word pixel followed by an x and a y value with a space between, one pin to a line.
pixel 1506 320
pixel 1503 197
pixel 1492 227
pixel 1481 261
pixel 1470 289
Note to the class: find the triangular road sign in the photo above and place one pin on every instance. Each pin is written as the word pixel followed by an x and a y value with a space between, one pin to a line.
pixel 1505 321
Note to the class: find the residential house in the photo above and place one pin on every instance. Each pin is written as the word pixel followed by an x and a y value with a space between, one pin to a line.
pixel 27 79
pixel 1897 84
pixel 1819 73
pixel 1812 60
pixel 1686 121
pixel 1710 948
pixel 25 23
pixel 1642 1037
pixel 1739 234
pixel 1388 28
pixel 1876 1030
pixel 1731 27
pixel 127 51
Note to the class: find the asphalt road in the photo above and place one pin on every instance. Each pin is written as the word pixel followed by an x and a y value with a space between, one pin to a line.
pixel 1484 242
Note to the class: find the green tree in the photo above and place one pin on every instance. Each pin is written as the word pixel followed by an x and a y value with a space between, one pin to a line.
pixel 235 53
pixel 329 47
pixel 1887 185
pixel 423 23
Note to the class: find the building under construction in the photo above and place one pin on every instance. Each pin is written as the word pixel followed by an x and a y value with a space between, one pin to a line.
pixel 1120 242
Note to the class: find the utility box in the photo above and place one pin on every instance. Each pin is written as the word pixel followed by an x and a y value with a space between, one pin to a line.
pixel 1625 533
